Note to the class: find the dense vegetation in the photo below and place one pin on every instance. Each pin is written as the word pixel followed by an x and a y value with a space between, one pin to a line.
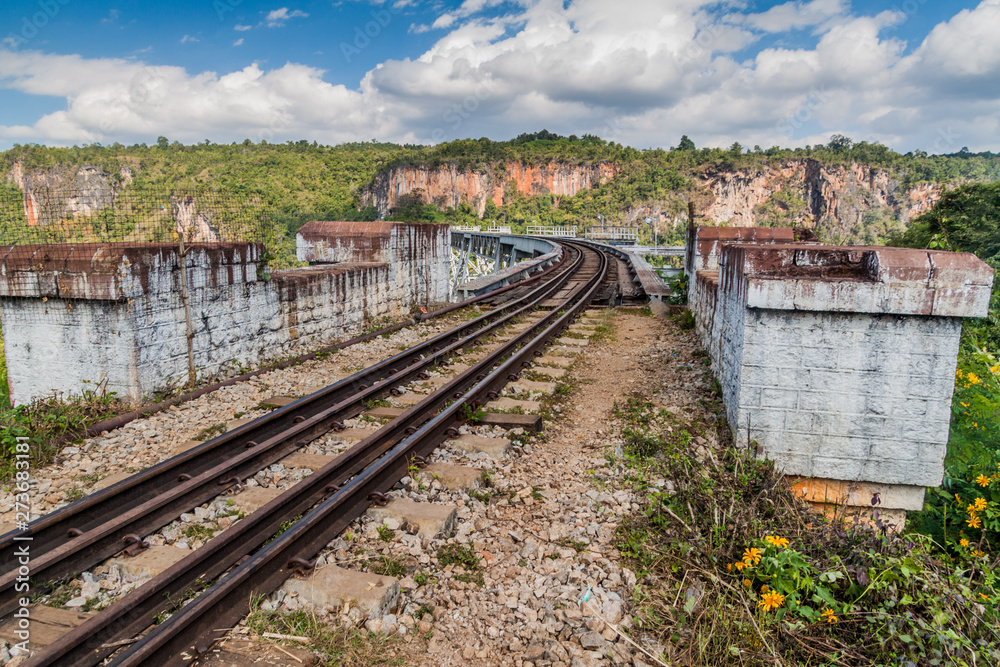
pixel 963 515
pixel 735 569
pixel 299 181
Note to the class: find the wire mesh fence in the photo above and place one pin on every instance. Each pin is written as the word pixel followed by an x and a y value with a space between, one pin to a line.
pixel 128 216
pixel 87 266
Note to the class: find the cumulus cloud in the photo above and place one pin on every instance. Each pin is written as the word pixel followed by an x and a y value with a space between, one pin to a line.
pixel 242 28
pixel 642 75
pixel 118 100
pixel 238 42
pixel 277 17
pixel 797 15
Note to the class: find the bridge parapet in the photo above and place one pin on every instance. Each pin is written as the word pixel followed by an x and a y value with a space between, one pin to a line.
pixel 838 362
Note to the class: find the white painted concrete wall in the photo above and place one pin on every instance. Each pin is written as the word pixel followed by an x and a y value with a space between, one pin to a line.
pixel 839 362
pixel 136 343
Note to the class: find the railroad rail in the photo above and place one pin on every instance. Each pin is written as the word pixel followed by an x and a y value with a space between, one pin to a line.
pixel 240 561
pixel 82 534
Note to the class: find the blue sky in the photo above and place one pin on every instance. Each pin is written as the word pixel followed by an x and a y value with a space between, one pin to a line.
pixel 913 74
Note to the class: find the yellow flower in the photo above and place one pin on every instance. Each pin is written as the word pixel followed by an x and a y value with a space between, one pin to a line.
pixel 964 405
pixel 972 378
pixel 780 542
pixel 980 504
pixel 963 542
pixel 751 556
pixel 746 582
pixel 729 568
pixel 740 565
pixel 994 369
pixel 828 616
pixel 983 481
pixel 771 600
pixel 984 596
pixel 974 522
pixel 977 553
pixel 958 372
pixel 957 499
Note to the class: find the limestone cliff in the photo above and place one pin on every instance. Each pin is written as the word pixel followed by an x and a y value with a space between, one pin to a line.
pixel 839 201
pixel 59 193
pixel 449 186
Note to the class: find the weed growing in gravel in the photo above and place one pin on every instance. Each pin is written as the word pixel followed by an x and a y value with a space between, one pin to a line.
pixel 50 423
pixel 385 533
pixel 210 432
pixel 336 646
pixel 385 566
pixel 75 494
pixel 736 570
pixel 481 496
pixel 458 554
pixel 473 414
pixel 195 531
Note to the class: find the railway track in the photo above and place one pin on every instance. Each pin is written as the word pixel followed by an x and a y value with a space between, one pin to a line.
pixel 247 559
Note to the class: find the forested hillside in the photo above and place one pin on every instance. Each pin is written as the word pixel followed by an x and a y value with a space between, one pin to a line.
pixel 848 191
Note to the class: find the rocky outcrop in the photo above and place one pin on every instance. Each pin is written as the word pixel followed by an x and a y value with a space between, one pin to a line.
pixel 449 185
pixel 59 193
pixel 839 201
pixel 63 193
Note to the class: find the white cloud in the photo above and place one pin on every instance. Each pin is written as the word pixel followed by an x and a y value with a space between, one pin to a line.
pixel 242 28
pixel 188 38
pixel 277 17
pixel 641 75
pixel 238 42
pixel 797 15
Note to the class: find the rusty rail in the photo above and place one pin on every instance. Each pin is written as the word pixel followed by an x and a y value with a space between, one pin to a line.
pixel 92 529
pixel 342 489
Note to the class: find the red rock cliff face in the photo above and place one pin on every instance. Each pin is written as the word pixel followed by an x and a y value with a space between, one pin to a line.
pixel 448 186
pixel 838 200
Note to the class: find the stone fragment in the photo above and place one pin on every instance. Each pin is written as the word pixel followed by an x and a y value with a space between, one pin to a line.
pixel 505 403
pixel 455 478
pixel 148 563
pixel 428 519
pixel 333 586
pixel 495 448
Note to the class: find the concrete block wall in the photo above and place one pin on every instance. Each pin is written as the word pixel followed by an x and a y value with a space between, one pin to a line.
pixel 77 316
pixel 839 362
pixel 418 254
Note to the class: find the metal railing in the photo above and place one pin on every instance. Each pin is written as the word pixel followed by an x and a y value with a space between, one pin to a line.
pixel 546 230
